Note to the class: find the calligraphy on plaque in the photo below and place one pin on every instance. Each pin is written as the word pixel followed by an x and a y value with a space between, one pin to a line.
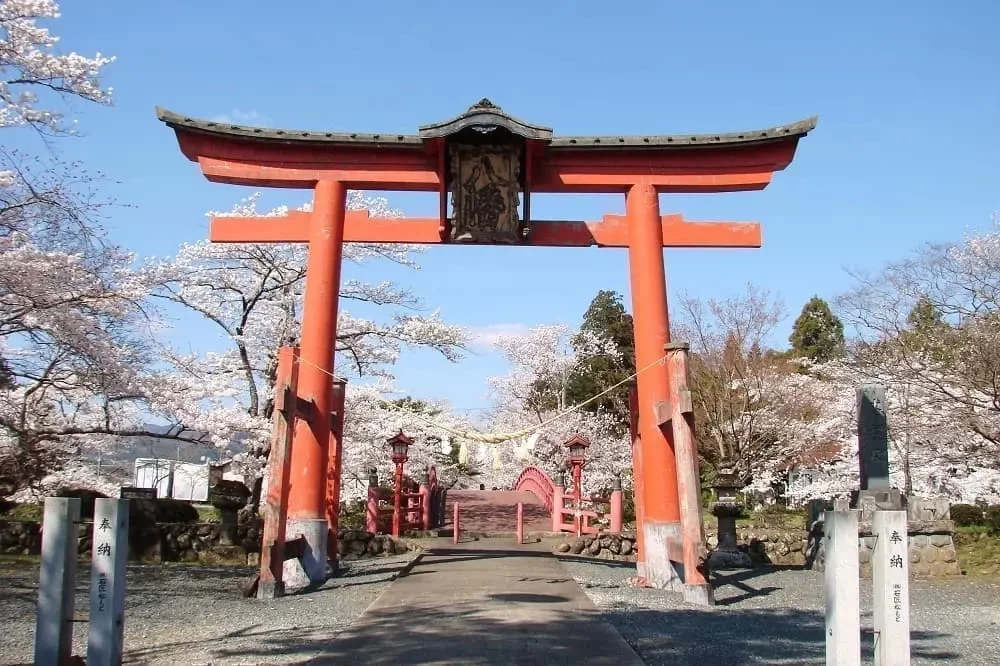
pixel 485 193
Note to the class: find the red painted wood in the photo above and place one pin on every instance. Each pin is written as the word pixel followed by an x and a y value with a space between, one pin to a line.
pixel 689 489
pixel 611 231
pixel 334 466
pixel 242 161
pixel 537 482
pixel 272 555
pixel 308 494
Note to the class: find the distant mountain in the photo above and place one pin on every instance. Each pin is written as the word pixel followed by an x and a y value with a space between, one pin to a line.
pixel 130 448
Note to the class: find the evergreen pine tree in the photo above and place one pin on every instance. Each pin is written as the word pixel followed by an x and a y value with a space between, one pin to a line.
pixel 818 334
pixel 606 319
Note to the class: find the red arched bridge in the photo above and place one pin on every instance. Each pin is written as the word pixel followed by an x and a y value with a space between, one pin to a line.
pixel 547 507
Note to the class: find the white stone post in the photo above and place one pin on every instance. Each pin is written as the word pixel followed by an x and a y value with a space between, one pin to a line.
pixel 890 589
pixel 57 582
pixel 842 583
pixel 107 584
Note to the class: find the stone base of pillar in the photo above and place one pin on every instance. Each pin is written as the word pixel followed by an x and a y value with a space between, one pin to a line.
pixel 310 568
pixel 271 590
pixel 699 595
pixel 657 569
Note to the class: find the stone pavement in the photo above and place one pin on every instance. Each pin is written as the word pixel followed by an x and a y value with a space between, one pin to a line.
pixel 495 511
pixel 482 602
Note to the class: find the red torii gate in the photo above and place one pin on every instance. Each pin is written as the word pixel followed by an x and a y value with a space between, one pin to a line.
pixel 491 163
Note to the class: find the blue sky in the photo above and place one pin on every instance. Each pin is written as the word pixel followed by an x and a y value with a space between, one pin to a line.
pixel 907 149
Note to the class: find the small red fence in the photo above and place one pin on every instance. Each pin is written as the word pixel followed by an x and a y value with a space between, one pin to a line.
pixel 421 506
pixel 569 515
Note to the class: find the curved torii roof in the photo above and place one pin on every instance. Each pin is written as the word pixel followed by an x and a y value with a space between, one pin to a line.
pixel 486 113
pixel 260 156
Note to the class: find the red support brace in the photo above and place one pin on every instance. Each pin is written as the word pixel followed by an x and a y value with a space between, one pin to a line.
pixel 272 554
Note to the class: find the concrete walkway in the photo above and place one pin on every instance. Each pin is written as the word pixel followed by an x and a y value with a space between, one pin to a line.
pixel 482 602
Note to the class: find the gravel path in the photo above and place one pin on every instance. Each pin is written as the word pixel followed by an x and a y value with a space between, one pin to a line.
pixel 776 617
pixel 195 614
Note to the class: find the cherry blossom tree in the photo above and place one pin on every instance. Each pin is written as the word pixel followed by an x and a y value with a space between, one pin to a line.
pixel 252 295
pixel 373 418
pixel 69 305
pixel 735 380
pixel 78 370
pixel 788 421
pixel 32 71
pixel 928 455
pixel 932 322
pixel 533 393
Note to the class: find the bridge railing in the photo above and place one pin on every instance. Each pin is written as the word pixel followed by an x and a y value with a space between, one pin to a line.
pixel 421 506
pixel 592 512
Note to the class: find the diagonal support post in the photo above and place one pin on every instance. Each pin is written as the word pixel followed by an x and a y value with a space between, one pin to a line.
pixel 275 510
pixel 697 589
pixel 334 466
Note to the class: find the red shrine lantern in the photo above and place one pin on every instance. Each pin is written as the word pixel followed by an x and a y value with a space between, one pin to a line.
pixel 577 445
pixel 400 445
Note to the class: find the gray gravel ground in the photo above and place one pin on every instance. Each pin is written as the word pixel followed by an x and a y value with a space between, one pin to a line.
pixel 195 614
pixel 776 617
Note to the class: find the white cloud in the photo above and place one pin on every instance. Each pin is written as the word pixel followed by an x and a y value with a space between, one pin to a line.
pixel 484 337
pixel 241 117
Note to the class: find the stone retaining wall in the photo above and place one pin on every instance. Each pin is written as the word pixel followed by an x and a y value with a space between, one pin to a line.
pixel 620 548
pixel 930 530
pixel 208 543
pixel 765 546
pixel 778 546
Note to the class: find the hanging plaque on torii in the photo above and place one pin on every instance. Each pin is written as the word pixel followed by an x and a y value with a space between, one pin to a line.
pixel 488 157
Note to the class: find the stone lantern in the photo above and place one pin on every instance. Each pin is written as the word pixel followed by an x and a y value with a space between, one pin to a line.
pixel 228 497
pixel 727 509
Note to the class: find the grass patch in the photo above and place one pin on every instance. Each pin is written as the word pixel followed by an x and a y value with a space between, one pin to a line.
pixel 208 514
pixel 775 519
pixel 978 551
pixel 18 561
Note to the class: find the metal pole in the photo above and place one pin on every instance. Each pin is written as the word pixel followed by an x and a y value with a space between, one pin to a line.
pixel 454 522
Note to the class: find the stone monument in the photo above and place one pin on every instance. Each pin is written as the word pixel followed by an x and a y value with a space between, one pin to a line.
pixel 873 452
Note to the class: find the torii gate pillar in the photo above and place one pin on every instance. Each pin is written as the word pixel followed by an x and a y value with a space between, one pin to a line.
pixel 655 470
pixel 311 443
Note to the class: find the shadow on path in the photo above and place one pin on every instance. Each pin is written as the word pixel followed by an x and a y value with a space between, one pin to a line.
pixel 731 637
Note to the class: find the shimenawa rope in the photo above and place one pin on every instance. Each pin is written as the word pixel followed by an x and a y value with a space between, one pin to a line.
pixel 499 438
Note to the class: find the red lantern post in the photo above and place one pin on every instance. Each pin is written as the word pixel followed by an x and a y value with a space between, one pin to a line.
pixel 400 445
pixel 577 445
